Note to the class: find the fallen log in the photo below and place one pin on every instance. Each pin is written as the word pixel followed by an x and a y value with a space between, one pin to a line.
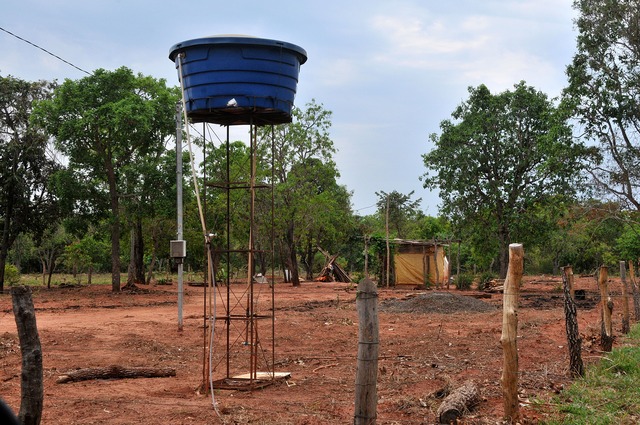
pixel 458 403
pixel 115 372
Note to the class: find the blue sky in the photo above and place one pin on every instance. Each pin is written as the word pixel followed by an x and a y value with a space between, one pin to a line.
pixel 390 71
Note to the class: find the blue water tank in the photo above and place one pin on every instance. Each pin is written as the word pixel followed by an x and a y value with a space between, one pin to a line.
pixel 233 80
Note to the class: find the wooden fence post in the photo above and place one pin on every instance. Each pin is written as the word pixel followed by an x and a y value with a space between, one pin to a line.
pixel 606 330
pixel 508 340
pixel 634 291
pixel 366 400
pixel 625 298
pixel 32 387
pixel 576 367
pixel 572 281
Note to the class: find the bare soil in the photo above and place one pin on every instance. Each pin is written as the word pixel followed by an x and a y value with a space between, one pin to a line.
pixel 428 340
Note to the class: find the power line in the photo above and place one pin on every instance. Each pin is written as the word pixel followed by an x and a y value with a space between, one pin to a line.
pixel 45 50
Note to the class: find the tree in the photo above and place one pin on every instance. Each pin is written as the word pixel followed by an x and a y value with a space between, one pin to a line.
pixel 303 174
pixel 502 158
pixel 107 124
pixel 26 203
pixel 50 248
pixel 238 155
pixel 326 215
pixel 402 210
pixel 85 254
pixel 604 90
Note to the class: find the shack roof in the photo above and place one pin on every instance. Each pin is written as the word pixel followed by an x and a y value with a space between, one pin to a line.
pixel 418 242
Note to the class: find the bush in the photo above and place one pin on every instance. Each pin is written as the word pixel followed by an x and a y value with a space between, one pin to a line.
pixel 11 275
pixel 464 281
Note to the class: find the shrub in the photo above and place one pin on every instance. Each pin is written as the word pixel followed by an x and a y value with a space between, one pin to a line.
pixel 11 275
pixel 464 281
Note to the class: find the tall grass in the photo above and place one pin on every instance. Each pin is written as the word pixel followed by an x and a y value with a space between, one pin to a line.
pixel 35 279
pixel 608 394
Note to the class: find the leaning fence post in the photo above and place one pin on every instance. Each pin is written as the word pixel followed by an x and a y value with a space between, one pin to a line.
pixel 366 400
pixel 32 387
pixel 606 330
pixel 508 340
pixel 571 325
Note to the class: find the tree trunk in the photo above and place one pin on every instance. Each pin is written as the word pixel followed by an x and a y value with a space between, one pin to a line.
pixel 115 252
pixel 4 245
pixel 51 266
pixel 576 366
pixel 503 260
pixel 32 386
pixel 508 340
pixel 115 222
pixel 132 263
pixel 458 402
pixel 49 275
pixel 293 261
pixel 139 251
pixel 309 260
pixel 135 273
pixel 44 271
pixel 293 258
pixel 152 265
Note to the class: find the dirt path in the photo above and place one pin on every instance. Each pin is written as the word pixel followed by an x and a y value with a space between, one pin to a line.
pixel 428 340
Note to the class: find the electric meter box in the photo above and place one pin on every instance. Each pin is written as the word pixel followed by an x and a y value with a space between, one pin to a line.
pixel 178 249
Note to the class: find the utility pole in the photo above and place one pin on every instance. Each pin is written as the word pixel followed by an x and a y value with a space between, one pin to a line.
pixel 179 208
pixel 387 231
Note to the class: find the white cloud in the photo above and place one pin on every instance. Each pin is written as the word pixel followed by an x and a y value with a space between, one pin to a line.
pixel 497 49
pixel 408 38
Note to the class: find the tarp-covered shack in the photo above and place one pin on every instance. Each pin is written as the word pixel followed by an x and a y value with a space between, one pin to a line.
pixel 418 262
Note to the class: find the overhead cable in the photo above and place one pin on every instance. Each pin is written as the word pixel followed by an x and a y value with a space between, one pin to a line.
pixel 46 51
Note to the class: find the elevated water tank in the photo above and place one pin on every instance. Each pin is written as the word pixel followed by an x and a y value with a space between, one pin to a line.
pixel 234 80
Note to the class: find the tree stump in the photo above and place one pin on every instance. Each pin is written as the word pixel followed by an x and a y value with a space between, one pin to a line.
pixel 32 386
pixel 458 403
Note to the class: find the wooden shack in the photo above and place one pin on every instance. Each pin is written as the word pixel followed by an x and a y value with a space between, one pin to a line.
pixel 419 262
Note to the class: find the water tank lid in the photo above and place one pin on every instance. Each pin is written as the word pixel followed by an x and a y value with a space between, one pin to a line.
pixel 237 40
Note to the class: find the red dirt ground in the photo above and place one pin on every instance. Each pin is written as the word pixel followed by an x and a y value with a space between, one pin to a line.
pixel 421 351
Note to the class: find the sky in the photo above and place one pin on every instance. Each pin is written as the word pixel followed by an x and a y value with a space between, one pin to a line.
pixel 389 71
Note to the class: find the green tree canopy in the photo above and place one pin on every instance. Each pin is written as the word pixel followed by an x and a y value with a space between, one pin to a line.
pixel 307 197
pixel 26 201
pixel 400 209
pixel 107 124
pixel 502 157
pixel 604 92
